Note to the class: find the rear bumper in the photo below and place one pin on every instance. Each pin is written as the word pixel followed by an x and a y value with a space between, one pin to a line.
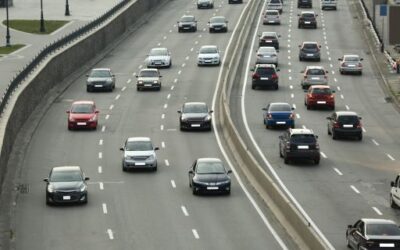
pixel 350 69
pixel 265 83
pixel 148 85
pixel 279 122
pixel 306 154
pixel 82 124
pixel 320 103
pixel 271 21
pixel 347 132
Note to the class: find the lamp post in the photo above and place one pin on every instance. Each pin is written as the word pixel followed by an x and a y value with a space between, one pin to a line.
pixel 66 8
pixel 42 29
pixel 8 27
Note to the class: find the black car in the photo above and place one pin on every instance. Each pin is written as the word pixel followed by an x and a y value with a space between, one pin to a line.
pixel 187 23
pixel 235 1
pixel 264 75
pixel 66 184
pixel 304 3
pixel 307 19
pixel 299 144
pixel 269 39
pixel 195 115
pixel 100 79
pixel 218 24
pixel 345 124
pixel 371 234
pixel 208 175
pixel 310 51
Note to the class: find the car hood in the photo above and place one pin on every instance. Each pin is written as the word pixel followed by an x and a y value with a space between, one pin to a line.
pixel 192 115
pixel 162 58
pixel 81 116
pixel 148 79
pixel 139 153
pixel 99 79
pixel 211 177
pixel 210 55
pixel 65 186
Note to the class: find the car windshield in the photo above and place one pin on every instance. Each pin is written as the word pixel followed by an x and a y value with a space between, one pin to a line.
pixel 187 19
pixel 307 15
pixel 217 20
pixel 148 73
pixel 280 107
pixel 210 168
pixel 138 146
pixel 272 13
pixel 302 138
pixel 265 71
pixel 82 108
pixel 208 50
pixel 65 176
pixel 315 72
pixel 383 229
pixel 100 73
pixel 310 46
pixel 351 59
pixel 348 119
pixel 158 52
pixel 195 109
pixel 323 91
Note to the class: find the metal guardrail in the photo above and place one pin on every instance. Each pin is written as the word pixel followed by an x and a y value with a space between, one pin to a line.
pixel 51 48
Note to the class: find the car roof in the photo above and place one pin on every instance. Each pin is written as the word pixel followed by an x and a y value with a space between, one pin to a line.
pixel 343 113
pixel 67 168
pixel 308 12
pixel 83 102
pixel 138 139
pixel 265 65
pixel 301 131
pixel 279 103
pixel 208 46
pixel 187 16
pixel 271 11
pixel 158 49
pixel 320 86
pixel 314 67
pixel 351 55
pixel 194 103
pixel 266 48
pixel 215 17
pixel 269 33
pixel 310 42
pixel 377 221
pixel 209 160
pixel 148 69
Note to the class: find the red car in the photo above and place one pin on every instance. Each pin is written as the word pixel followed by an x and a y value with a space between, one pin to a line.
pixel 320 96
pixel 82 114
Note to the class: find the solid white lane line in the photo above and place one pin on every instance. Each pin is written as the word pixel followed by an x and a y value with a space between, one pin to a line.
pixel 117 97
pixel 297 116
pixel 338 171
pixel 323 155
pixel 375 142
pixel 173 184
pixel 166 163
pixel 100 169
pixel 168 96
pixel 196 235
pixel 347 107
pixel 123 89
pixel 185 212
pixel 377 211
pixel 105 208
pixel 101 185
pixel 100 155
pixel 103 128
pixel 129 81
pixel 162 127
pixel 110 234
pixel 390 157
pixel 111 107
pixel 342 96
pixel 354 189
pixel 163 144
pixel 163 116
pixel 107 117
pixel 101 142
pixel 165 106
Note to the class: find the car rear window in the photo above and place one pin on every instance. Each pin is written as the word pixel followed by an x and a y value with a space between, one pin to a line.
pixel 382 229
pixel 208 50
pixel 302 138
pixel 265 71
pixel 351 59
pixel 324 91
pixel 148 73
pixel 158 52
pixel 348 119
pixel 280 107
pixel 310 46
pixel 307 15
pixel 271 13
pixel 315 72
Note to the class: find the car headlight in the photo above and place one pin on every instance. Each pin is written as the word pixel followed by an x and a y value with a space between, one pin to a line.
pixel 50 188
pixel 83 188
pixel 216 57
pixel 93 118
pixel 180 25
pixel 151 158
pixel 140 82
pixel 155 81
pixel 208 117
pixel 200 182
pixel 224 182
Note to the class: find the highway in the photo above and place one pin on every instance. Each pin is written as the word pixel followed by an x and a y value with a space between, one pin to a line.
pixel 144 210
pixel 353 179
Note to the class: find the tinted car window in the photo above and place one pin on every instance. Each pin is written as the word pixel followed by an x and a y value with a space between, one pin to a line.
pixel 350 119
pixel 100 73
pixel 280 107
pixel 217 20
pixel 272 13
pixel 195 109
pixel 65 176
pixel 148 73
pixel 187 19
pixel 315 72
pixel 302 138
pixel 139 146
pixel 82 108
pixel 265 71
pixel 208 50
pixel 351 59
pixel 322 91
pixel 382 229
pixel 309 46
pixel 210 167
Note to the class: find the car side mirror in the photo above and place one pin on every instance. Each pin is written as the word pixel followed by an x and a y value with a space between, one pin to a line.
pixel 113 75
pixel 229 171
pixel 293 108
pixel 278 70
pixel 361 59
pixel 179 111
pixel 265 109
pixel 87 178
pixel 191 172
pixel 121 149
pixel 316 137
pixel 329 118
pixel 160 76
pixel 326 71
pixel 68 111
pixel 299 46
pixel 96 111
pixel 156 148
pixel 359 118
pixel 87 75
pixel 319 46
pixel 46 180
pixel 392 183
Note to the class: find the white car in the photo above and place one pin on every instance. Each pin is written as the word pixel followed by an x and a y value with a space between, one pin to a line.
pixel 267 55
pixel 159 57
pixel 208 55
pixel 139 153
pixel 328 4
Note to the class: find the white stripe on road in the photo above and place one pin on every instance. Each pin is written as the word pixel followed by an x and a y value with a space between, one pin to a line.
pixel 111 107
pixel 100 169
pixel 117 97
pixel 105 208
pixel 110 234
pixel 103 128
pixel 338 171
pixel 173 184
pixel 323 155
pixel 347 107
pixel 185 212
pixel 101 142
pixel 297 116
pixel 166 163
pixel 101 185
pixel 377 211
pixel 162 127
pixel 107 117
pixel 375 142
pixel 168 96
pixel 355 189
pixel 165 106
pixel 391 157
pixel 338 87
pixel 163 144
pixel 162 116
pixel 100 155
pixel 129 81
pixel 196 235
pixel 304 127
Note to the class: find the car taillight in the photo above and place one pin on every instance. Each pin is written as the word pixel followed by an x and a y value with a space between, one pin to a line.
pixel 336 125
pixel 274 76
pixel 256 76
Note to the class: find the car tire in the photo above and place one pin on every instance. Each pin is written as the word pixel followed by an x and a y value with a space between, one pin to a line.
pixel 316 161
pixel 319 59
pixel 286 160
pixel 308 107
pixel 154 169
pixel 360 137
pixel 89 89
pixel 228 192
pixel 333 107
pixel 276 87
pixel 194 192
pixel 347 242
pixel 392 203
pixel 253 86
pixel 360 73
pixel 267 126
pixel 48 202
pixel 138 88
pixel 124 169
pixel 300 59
pixel 329 132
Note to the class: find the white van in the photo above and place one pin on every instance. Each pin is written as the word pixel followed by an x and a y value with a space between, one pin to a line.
pixel 329 4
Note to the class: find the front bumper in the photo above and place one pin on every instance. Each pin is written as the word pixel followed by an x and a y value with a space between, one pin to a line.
pixel 158 64
pixel 99 85
pixel 218 29
pixel 271 44
pixel 208 61
pixel 66 197
pixel 82 124
pixel 211 188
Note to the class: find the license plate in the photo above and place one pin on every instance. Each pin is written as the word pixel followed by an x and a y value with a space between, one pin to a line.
pixel 212 188
pixel 195 125
pixel 347 125
pixel 386 244
pixel 81 123
pixel 314 78
pixel 140 163
pixel 271 21
pixel 207 61
pixel 321 102
pixel 66 197
pixel 98 86
pixel 147 85
pixel 307 22
pixel 264 78
pixel 310 54
pixel 280 122
pixel 269 41
pixel 186 28
pixel 302 147
pixel 352 65
pixel 217 28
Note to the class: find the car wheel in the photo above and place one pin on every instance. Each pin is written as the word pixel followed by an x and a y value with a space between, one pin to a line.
pixel 360 73
pixel 329 132
pixel 300 59
pixel 253 86
pixel 360 137
pixel 316 161
pixel 299 26
pixel 48 202
pixel 85 201
pixel 194 192
pixel 88 89
pixel 319 59
pixel 286 160
pixel 179 30
pixel 267 126
pixel 124 169
pixel 138 88
pixel 276 87
pixel 333 107
pixel 154 169
pixel 392 203
pixel 228 192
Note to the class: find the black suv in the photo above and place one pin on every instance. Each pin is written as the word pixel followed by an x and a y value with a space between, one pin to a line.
pixel 345 123
pixel 264 75
pixel 304 3
pixel 269 39
pixel 299 144
pixel 307 19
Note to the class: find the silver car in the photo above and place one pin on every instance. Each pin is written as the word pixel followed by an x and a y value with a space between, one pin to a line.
pixel 314 75
pixel 159 57
pixel 208 55
pixel 275 5
pixel 139 153
pixel 101 78
pixel 350 64
pixel 271 17
pixel 267 55
pixel 148 79
pixel 208 4
pixel 328 4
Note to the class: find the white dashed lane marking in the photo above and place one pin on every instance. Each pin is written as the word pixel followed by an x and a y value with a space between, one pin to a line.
pixel 105 208
pixel 355 189
pixel 101 142
pixel 163 116
pixel 168 96
pixel 111 107
pixel 110 234
pixel 195 234
pixel 117 97
pixel 172 87
pixel 173 184
pixel 100 155
pixel 375 142
pixel 101 185
pixel 165 106
pixel 107 117
pixel 163 144
pixel 323 155
pixel 100 169
pixel 123 89
pixel 175 80
pixel 292 95
pixel 129 81
pixel 184 211
pixel 342 96
pixel 338 171
pixel 304 127
pixel 297 116
pixel 103 128
pixel 377 211
pixel 390 157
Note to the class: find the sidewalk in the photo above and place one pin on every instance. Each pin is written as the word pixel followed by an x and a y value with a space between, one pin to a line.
pixel 81 12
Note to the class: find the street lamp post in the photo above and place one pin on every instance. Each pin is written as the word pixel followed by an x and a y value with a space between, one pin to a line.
pixel 8 27
pixel 66 8
pixel 42 28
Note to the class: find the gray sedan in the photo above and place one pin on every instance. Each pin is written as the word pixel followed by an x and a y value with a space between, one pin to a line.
pixel 267 55
pixel 350 64
pixel 99 79
pixel 159 57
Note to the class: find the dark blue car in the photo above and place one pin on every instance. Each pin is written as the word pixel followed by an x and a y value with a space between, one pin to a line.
pixel 278 114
